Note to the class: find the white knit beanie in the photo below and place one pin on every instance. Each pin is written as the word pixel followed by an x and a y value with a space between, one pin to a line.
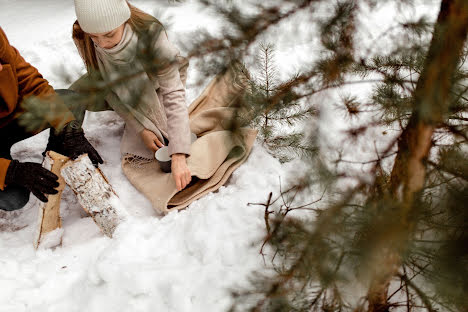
pixel 100 16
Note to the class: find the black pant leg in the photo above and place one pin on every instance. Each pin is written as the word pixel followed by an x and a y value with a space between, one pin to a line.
pixel 13 197
pixel 9 135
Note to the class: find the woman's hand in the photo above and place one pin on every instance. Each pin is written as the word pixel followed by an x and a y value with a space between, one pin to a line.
pixel 151 140
pixel 180 171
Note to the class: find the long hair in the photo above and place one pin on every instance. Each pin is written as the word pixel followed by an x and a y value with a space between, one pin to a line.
pixel 139 21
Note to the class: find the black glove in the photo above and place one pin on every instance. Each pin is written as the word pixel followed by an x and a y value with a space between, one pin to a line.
pixel 33 177
pixel 75 143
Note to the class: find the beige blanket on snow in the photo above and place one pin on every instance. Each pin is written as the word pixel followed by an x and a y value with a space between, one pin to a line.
pixel 213 157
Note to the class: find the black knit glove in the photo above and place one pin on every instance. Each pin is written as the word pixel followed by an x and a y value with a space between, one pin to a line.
pixel 32 176
pixel 75 143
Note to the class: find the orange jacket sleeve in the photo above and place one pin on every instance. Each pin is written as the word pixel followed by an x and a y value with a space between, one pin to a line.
pixel 29 82
pixel 4 164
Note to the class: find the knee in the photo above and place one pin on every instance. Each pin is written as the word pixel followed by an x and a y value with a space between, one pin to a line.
pixel 14 198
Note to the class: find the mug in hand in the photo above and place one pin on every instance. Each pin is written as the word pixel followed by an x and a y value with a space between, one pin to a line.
pixel 163 157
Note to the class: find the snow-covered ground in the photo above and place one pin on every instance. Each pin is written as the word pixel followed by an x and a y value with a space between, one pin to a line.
pixel 185 261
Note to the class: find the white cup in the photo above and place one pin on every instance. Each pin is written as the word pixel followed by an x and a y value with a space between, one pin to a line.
pixel 163 157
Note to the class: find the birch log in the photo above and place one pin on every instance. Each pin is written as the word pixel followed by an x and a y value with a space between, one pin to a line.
pixel 49 213
pixel 94 193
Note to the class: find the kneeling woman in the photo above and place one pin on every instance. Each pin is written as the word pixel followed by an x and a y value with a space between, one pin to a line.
pixel 107 35
pixel 130 51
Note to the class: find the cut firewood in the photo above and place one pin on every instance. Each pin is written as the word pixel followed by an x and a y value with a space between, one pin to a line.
pixel 94 193
pixel 49 213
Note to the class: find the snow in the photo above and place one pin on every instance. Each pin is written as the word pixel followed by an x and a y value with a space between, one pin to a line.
pixel 51 239
pixel 185 261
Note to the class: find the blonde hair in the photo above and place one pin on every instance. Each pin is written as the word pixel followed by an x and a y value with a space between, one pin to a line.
pixel 139 21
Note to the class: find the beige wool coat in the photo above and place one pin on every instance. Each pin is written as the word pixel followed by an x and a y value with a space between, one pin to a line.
pixel 214 156
pixel 161 106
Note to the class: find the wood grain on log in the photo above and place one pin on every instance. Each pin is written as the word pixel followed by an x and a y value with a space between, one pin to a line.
pixel 49 213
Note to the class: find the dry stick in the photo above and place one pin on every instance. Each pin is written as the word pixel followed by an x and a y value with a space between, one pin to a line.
pixel 267 224
pixel 304 207
pixel 288 209
pixel 49 213
pixel 290 272
pixel 267 220
pixel 267 212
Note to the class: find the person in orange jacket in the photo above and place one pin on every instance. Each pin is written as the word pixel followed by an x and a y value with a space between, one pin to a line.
pixel 19 81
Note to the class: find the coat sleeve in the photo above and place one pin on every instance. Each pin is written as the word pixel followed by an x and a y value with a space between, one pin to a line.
pixel 31 83
pixel 4 164
pixel 173 93
pixel 126 116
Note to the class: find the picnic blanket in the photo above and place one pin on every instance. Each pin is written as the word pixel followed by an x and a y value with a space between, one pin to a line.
pixel 214 156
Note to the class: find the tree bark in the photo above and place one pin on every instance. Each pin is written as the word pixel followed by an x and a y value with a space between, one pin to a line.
pixel 430 105
pixel 94 193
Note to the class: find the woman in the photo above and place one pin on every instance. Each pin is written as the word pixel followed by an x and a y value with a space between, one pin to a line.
pixel 130 51
pixel 107 34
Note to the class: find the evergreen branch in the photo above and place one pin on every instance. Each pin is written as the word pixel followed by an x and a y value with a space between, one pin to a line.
pixel 460 96
pixel 341 84
pixel 254 27
pixel 454 130
pixel 421 294
pixel 369 161
pixel 447 170
pixel 458 118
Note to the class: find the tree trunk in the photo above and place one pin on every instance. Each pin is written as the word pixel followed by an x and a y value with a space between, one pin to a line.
pixel 431 101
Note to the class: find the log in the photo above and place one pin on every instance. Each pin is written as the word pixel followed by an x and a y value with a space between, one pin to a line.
pixel 94 193
pixel 49 213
